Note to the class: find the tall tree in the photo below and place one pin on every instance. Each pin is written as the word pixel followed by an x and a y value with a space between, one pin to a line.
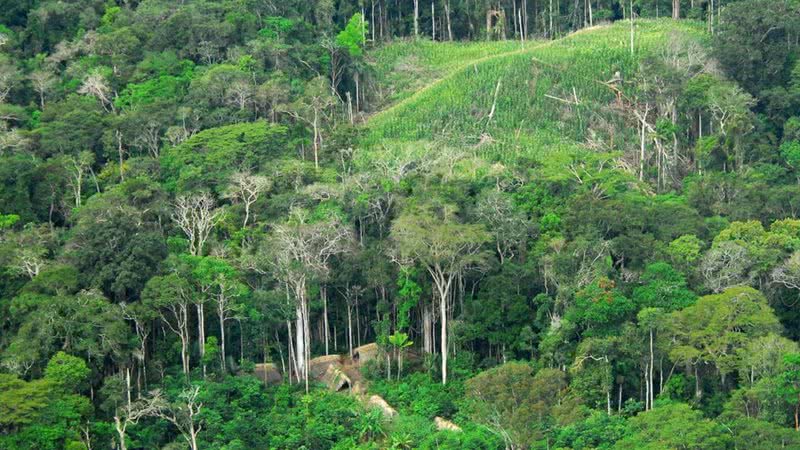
pixel 432 236
pixel 302 249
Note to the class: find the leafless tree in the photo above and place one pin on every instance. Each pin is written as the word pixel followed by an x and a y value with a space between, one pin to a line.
pixel 30 249
pixel 95 84
pixel 788 273
pixel 176 315
pixel 725 265
pixel 149 139
pixel 183 414
pixel 9 76
pixel 131 413
pixel 43 82
pixel 11 139
pixel 302 251
pixel 246 187
pixel 79 166
pixel 330 44
pixel 240 93
pixel 196 216
pixel 140 316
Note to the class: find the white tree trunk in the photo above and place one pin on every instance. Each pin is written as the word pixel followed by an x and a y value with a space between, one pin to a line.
pixel 416 18
pixel 221 316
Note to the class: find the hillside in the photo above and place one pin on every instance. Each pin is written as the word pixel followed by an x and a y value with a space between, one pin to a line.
pixel 542 96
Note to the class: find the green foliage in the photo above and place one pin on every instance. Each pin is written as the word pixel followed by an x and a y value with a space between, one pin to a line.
pixel 353 36
pixel 8 220
pixel 673 425
pixel 67 372
pixel 417 394
pixel 663 287
pixel 717 326
pixel 600 306
pixel 21 401
pixel 509 399
pixel 598 431
pixel 205 161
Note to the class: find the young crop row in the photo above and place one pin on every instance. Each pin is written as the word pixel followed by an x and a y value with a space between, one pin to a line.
pixel 403 67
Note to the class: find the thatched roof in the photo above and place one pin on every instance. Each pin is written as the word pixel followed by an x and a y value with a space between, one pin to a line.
pixel 268 373
pixel 365 353
pixel 319 365
pixel 444 424
pixel 376 401
pixel 335 379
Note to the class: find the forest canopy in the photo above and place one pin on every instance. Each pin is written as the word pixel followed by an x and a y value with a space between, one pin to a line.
pixel 378 224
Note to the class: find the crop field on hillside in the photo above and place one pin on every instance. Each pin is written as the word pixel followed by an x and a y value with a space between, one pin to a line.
pixel 526 101
pixel 402 68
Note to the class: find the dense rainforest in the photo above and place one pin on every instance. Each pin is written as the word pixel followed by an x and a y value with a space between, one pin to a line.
pixel 397 224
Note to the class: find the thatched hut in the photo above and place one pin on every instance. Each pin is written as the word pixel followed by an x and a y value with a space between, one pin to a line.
pixel 376 401
pixel 268 373
pixel 335 379
pixel 444 424
pixel 319 365
pixel 365 353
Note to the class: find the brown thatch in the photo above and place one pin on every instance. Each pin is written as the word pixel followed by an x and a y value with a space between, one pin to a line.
pixel 335 379
pixel 319 365
pixel 365 353
pixel 268 373
pixel 444 424
pixel 376 401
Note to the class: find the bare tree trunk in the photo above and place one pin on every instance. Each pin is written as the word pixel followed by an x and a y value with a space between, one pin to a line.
pixel 449 26
pixel 631 17
pixel 221 316
pixel 358 91
pixel 324 295
pixel 307 337
pixel 293 367
pixel 433 21
pixel 185 353
pixel 350 329
pixel 443 283
pixel 443 312
pixel 201 332
pixel 128 385
pixel 316 139
pixel 300 341
pixel 711 17
pixel 427 330
pixel 193 431
pixel 641 153
pixel 120 427
pixel 646 388
pixel 416 18
pixel 650 373
pixel 358 327
pixel 525 18
pixel 676 9
pixel 514 16
pixel 121 153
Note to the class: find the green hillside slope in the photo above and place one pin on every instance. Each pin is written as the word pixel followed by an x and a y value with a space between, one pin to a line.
pixel 521 102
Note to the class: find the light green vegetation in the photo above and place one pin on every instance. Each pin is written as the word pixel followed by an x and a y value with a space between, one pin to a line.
pixel 404 67
pixel 528 116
